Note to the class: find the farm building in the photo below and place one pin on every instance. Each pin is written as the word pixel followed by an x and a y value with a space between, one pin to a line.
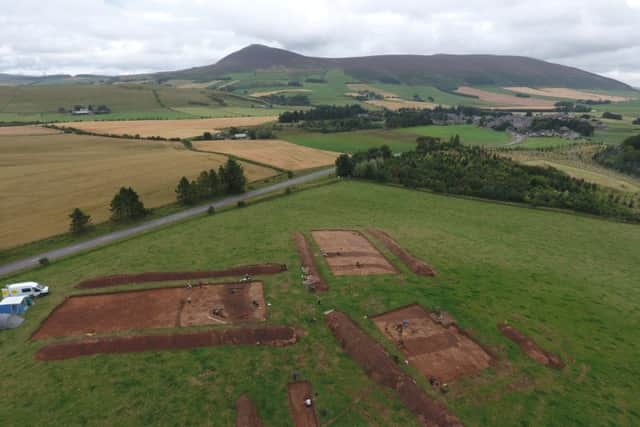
pixel 15 305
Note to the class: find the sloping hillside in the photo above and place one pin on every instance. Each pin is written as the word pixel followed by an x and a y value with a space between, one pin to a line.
pixel 447 71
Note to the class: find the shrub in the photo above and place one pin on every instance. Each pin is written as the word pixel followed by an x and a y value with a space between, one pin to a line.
pixel 242 204
pixel 44 261
pixel 211 210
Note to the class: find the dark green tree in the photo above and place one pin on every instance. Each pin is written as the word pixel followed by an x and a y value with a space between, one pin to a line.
pixel 234 178
pixel 344 165
pixel 80 221
pixel 127 206
pixel 186 193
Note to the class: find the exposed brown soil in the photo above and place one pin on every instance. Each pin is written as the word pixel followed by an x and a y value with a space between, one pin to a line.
pixel 303 416
pixel 310 273
pixel 433 343
pixel 124 279
pixel 416 265
pixel 155 308
pixel 348 252
pixel 530 347
pixel 247 413
pixel 268 335
pixel 380 367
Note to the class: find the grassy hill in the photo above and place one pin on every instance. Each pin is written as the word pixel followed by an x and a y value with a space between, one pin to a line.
pixel 576 296
pixel 448 71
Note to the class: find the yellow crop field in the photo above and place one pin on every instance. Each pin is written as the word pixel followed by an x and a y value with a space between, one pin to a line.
pixel 26 131
pixel 563 92
pixel 43 177
pixel 281 154
pixel 276 92
pixel 502 100
pixel 168 128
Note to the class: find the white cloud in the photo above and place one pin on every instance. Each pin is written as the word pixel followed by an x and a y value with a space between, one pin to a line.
pixel 118 36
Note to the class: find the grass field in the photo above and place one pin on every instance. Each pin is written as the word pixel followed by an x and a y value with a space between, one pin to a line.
pixel 168 128
pixel 398 139
pixel 577 161
pixel 505 100
pixel 545 142
pixel 568 281
pixel 280 154
pixel 469 134
pixel 44 177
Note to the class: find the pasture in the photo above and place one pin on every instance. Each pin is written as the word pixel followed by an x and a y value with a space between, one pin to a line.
pixel 43 177
pixel 279 154
pixel 168 128
pixel 495 263
pixel 577 161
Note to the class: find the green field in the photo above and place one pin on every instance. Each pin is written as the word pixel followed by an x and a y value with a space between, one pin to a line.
pixel 568 281
pixel 398 139
pixel 469 134
pixel 545 142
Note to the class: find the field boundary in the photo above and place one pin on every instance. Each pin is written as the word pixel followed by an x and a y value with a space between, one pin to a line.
pixel 125 279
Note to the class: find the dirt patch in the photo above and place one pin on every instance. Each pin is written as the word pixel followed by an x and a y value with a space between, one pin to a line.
pixel 348 252
pixel 268 335
pixel 506 100
pixel 380 367
pixel 155 308
pixel 414 264
pixel 303 415
pixel 247 413
pixel 125 279
pixel 310 275
pixel 433 343
pixel 273 152
pixel 167 128
pixel 531 348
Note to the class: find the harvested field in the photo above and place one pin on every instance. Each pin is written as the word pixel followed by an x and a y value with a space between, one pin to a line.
pixel 155 308
pixel 124 279
pixel 563 92
pixel 312 277
pixel 168 128
pixel 433 344
pixel 414 264
pixel 277 92
pixel 247 413
pixel 369 354
pixel 269 335
pixel 502 100
pixel 399 103
pixel 276 153
pixel 302 415
pixel 532 349
pixel 350 253
pixel 26 131
pixel 43 177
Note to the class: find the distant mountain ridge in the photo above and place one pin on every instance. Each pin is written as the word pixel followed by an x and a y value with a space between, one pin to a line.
pixel 439 70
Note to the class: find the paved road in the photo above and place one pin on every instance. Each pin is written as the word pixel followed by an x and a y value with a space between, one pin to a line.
pixel 150 225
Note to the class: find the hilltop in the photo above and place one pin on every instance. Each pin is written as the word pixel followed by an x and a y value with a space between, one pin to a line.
pixel 441 70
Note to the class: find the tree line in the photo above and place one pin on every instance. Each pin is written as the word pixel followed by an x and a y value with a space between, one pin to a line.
pixel 624 157
pixel 127 205
pixel 451 167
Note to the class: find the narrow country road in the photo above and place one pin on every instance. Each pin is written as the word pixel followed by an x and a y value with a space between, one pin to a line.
pixel 32 261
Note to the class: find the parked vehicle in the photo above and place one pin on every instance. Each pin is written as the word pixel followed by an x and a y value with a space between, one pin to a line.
pixel 32 289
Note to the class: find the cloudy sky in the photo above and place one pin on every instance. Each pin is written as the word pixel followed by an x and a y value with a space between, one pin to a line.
pixel 131 36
